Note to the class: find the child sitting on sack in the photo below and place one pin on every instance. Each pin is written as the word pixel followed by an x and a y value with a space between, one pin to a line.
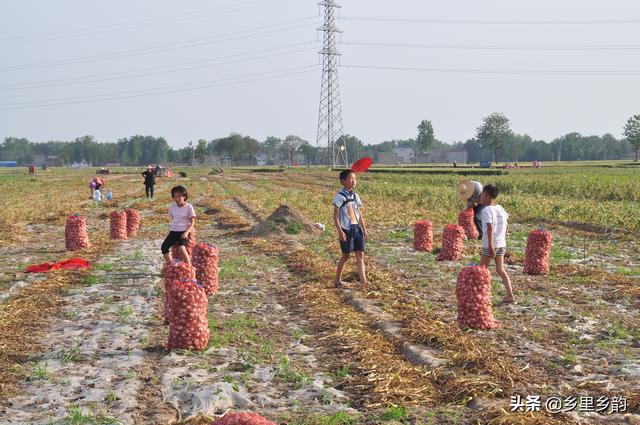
pixel 352 233
pixel 183 219
pixel 494 237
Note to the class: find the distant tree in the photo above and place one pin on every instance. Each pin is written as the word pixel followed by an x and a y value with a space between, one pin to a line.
pixel 494 132
pixel 353 145
pixel 201 151
pixel 290 145
pixel 425 138
pixel 632 133
pixel 16 149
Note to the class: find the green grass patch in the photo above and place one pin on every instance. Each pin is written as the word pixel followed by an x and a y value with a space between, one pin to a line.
pixel 90 280
pixel 107 267
pixel 290 374
pixel 241 329
pixel 294 228
pixel 338 418
pixel 235 268
pixel 395 413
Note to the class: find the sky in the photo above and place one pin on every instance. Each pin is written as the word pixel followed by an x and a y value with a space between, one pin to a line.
pixel 202 69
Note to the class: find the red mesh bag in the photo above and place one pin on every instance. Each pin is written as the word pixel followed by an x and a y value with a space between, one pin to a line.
pixel 242 418
pixel 536 259
pixel 75 233
pixel 465 219
pixel 473 291
pixel 191 243
pixel 189 328
pixel 423 236
pixel 118 224
pixel 174 271
pixel 133 222
pixel 452 243
pixel 205 260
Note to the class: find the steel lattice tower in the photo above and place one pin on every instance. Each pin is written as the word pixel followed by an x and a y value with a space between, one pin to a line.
pixel 330 126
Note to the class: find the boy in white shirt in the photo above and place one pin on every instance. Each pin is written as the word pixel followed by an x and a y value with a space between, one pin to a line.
pixel 494 237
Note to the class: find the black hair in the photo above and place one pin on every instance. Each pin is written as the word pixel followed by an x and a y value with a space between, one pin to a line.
pixel 181 190
pixel 345 173
pixel 491 190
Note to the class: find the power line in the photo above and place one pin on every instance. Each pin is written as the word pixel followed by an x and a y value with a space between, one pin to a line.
pixel 498 71
pixel 496 46
pixel 220 38
pixel 496 22
pixel 205 63
pixel 160 90
pixel 132 25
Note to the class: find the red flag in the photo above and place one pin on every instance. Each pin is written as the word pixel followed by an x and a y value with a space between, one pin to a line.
pixel 362 165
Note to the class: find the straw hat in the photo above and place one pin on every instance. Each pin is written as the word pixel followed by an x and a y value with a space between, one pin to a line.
pixel 465 189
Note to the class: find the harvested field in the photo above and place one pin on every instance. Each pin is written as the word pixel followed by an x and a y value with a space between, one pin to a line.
pixel 90 346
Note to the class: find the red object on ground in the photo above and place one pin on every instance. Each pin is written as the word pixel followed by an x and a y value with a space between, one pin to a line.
pixel 189 328
pixel 473 291
pixel 205 260
pixel 75 233
pixel 242 418
pixel 465 219
pixel 423 236
pixel 536 259
pixel 174 271
pixel 191 243
pixel 452 243
pixel 68 264
pixel 362 165
pixel 133 222
pixel 118 224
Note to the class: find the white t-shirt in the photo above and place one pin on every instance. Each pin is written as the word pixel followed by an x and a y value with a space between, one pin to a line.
pixel 180 216
pixel 497 217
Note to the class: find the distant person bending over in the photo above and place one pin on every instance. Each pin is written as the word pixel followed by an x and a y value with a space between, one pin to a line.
pixel 96 183
pixel 149 181
pixel 349 222
pixel 474 202
pixel 183 219
pixel 494 239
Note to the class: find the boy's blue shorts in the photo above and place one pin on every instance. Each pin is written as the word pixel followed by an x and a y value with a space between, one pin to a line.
pixel 355 239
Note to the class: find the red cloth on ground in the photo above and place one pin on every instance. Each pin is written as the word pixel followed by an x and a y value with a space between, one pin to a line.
pixel 68 264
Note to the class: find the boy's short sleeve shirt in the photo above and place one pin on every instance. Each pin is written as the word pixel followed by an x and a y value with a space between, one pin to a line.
pixel 180 217
pixel 338 202
pixel 497 217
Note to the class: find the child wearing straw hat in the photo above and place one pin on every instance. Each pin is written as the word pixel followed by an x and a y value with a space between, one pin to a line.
pixel 469 191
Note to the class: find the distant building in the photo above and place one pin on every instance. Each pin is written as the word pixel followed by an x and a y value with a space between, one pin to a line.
pixel 8 163
pixel 386 158
pixel 458 156
pixel 405 155
pixel 45 160
pixel 442 155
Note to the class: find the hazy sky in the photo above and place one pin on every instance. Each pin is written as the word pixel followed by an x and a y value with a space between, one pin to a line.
pixel 202 69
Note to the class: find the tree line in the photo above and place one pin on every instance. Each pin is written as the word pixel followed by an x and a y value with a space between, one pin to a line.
pixel 494 140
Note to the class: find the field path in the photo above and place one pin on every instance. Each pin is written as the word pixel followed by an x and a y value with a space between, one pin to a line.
pixel 91 353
